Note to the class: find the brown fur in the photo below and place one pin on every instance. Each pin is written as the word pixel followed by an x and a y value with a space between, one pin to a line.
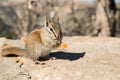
pixel 39 42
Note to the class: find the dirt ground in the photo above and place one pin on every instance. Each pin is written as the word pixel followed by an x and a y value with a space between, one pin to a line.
pixel 84 58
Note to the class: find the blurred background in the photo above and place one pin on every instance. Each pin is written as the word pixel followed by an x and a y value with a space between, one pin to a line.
pixel 77 17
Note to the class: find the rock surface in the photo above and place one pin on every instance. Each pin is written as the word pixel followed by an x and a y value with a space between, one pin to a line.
pixel 85 58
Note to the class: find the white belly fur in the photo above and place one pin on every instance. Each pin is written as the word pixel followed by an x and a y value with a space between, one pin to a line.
pixel 41 52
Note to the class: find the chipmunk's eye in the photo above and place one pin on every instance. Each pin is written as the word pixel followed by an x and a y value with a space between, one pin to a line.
pixel 51 29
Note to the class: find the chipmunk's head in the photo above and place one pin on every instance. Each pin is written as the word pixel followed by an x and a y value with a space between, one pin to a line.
pixel 54 29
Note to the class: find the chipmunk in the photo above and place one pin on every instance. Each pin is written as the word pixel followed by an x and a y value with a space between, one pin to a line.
pixel 39 42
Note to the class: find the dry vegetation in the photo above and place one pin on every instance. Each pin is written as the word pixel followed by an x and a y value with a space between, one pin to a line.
pixel 118 19
pixel 18 18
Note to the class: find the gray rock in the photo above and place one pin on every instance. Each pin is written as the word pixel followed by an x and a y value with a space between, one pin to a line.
pixel 10 70
pixel 85 58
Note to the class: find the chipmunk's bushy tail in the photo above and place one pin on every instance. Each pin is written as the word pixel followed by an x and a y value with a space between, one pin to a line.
pixel 12 51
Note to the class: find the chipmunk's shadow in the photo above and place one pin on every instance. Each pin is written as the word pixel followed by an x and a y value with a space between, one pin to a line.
pixel 67 55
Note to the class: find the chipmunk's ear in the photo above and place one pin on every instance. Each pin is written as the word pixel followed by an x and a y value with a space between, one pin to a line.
pixel 56 18
pixel 47 22
pixel 34 3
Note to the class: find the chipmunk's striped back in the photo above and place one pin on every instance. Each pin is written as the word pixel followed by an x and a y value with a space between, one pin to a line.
pixel 39 42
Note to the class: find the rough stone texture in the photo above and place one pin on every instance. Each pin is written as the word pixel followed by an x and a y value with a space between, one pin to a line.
pixel 9 70
pixel 86 58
